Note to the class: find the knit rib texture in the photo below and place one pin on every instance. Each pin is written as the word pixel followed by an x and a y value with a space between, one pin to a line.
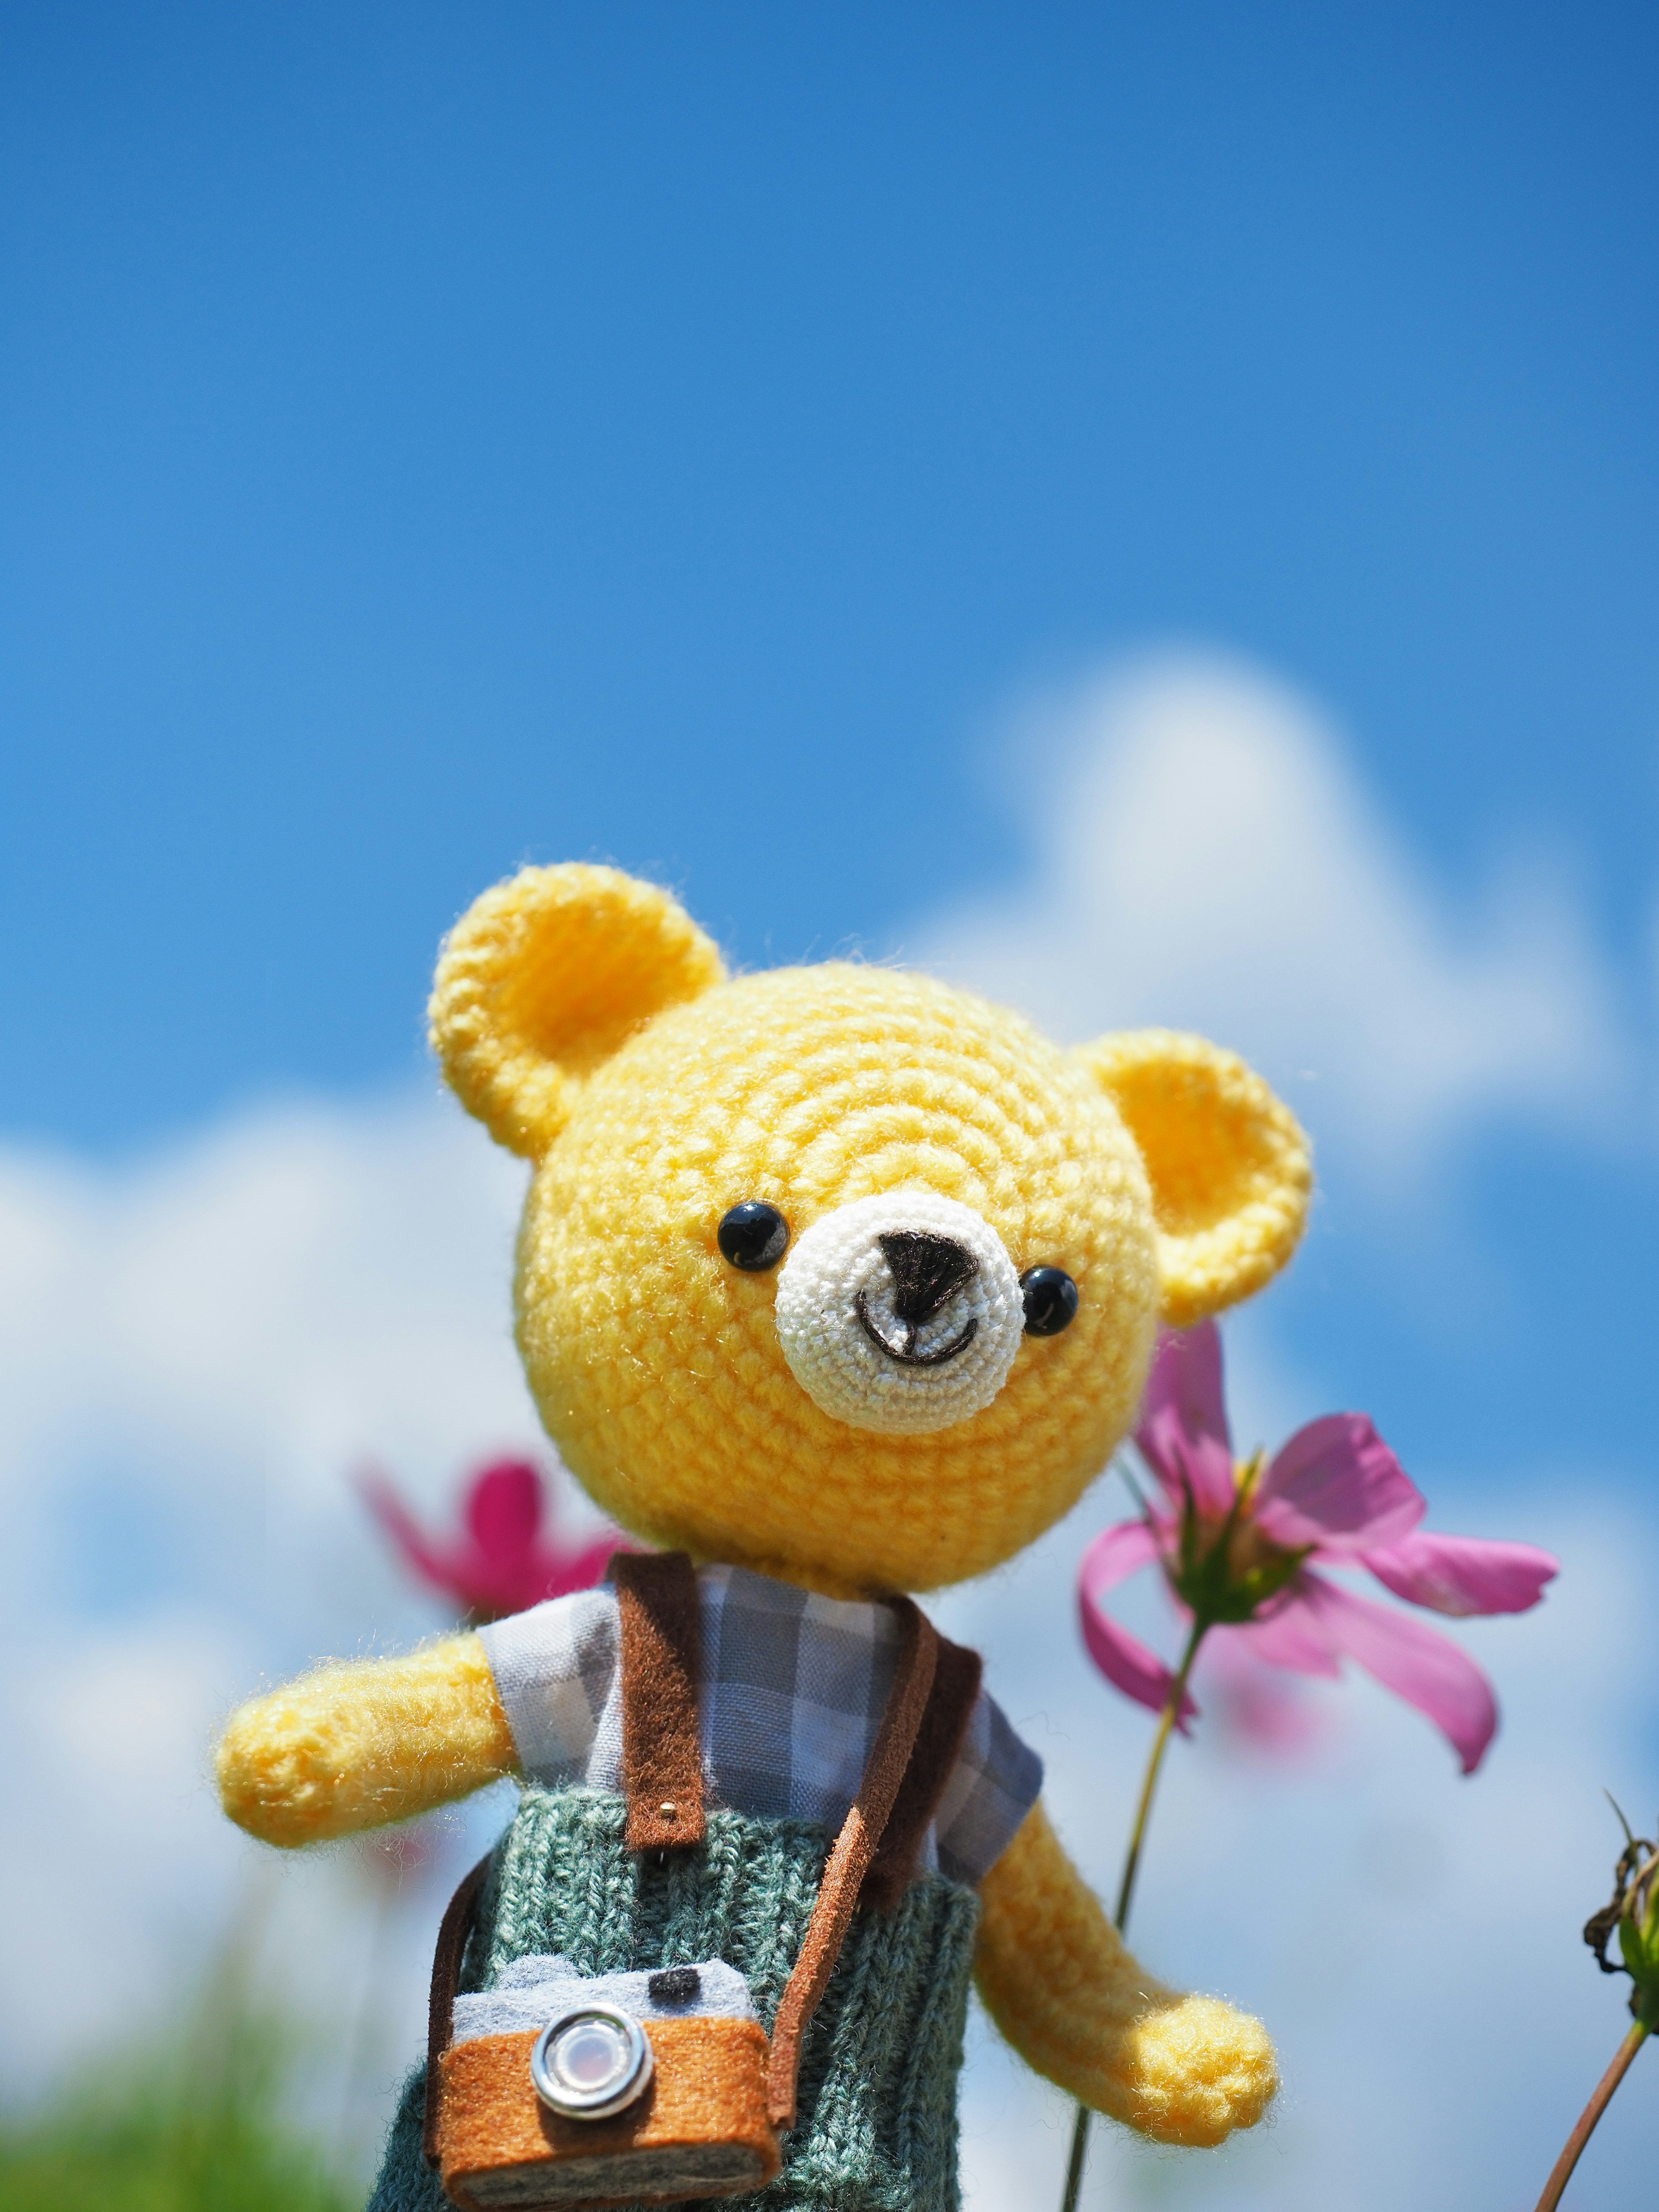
pixel 876 2126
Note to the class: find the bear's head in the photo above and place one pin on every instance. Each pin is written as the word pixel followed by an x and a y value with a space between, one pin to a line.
pixel 838 1272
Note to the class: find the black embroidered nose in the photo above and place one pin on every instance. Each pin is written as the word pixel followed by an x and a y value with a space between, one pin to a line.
pixel 926 1270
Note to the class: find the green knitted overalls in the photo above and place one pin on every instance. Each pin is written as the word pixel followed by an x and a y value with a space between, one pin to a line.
pixel 876 2124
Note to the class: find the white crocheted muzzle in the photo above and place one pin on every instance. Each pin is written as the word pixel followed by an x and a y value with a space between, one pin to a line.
pixel 901 1313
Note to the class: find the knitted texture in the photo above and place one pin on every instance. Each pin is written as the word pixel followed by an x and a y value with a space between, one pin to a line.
pixel 836 1290
pixel 652 1111
pixel 548 976
pixel 876 2126
pixel 351 1746
pixel 1183 2069
pixel 1229 1169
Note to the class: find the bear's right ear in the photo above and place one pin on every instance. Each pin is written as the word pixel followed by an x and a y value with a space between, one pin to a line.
pixel 543 977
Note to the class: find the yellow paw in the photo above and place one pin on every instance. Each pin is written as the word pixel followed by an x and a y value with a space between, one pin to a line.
pixel 281 1771
pixel 353 1747
pixel 1197 2070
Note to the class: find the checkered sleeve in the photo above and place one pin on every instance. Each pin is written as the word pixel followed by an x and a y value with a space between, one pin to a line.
pixel 992 1786
pixel 556 1669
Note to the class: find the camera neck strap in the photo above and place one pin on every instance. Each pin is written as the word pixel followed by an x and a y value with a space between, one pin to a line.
pixel 935 1683
pixel 852 1854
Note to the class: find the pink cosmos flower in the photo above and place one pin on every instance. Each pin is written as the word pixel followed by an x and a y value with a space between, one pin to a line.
pixel 502 1563
pixel 1237 1543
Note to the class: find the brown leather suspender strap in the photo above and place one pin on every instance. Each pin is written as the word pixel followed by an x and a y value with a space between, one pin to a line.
pixel 939 1744
pixel 850 1858
pixel 661 1669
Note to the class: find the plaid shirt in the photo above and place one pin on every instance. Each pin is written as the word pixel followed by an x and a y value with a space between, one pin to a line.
pixel 793 1687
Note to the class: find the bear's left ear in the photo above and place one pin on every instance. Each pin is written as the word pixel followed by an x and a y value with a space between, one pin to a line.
pixel 543 977
pixel 1229 1167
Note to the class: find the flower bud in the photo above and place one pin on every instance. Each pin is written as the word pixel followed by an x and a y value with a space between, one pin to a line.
pixel 1632 1914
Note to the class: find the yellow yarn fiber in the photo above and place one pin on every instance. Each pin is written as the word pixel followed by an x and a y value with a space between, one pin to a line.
pixel 352 1747
pixel 1057 1979
pixel 545 977
pixel 1229 1170
pixel 587 1023
pixel 582 1016
pixel 657 1366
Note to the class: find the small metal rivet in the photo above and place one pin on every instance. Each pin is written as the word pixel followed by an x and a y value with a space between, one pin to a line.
pixel 669 1812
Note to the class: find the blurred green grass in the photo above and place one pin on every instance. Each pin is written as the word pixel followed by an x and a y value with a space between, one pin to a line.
pixel 204 2125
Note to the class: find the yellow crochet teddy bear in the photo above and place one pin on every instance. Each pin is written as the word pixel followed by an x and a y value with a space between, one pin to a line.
pixel 844 1282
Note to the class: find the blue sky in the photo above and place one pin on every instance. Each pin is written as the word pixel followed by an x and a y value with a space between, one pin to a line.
pixel 436 435
pixel 1152 510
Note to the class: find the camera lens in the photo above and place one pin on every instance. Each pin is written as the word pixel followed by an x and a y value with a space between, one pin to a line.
pixel 591 2064
pixel 593 2057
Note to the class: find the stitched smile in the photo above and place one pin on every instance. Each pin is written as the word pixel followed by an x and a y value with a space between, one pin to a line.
pixel 909 1357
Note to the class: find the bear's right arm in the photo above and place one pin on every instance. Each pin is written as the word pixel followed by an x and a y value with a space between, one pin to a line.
pixel 1059 1983
pixel 354 1746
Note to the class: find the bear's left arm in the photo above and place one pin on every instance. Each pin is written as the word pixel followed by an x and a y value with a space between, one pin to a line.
pixel 354 1746
pixel 1057 1980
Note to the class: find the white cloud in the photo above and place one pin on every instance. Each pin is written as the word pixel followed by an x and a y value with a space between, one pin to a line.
pixel 195 1352
pixel 1205 856
pixel 196 1349
pixel 230 1327
pixel 221 1334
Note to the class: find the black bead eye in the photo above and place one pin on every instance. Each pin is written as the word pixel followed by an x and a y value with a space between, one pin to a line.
pixel 1050 1300
pixel 753 1236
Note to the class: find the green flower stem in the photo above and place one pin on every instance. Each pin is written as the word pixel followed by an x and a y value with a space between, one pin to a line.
pixel 1126 1889
pixel 1640 2030
pixel 1166 1721
pixel 1074 2164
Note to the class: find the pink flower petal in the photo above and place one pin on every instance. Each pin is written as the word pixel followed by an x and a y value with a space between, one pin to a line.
pixel 1182 1433
pixel 1115 1554
pixel 1336 1486
pixel 1463 1574
pixel 502 1565
pixel 1128 1664
pixel 1418 1664
pixel 1123 1659
pixel 1292 1637
pixel 504 1511
pixel 434 1565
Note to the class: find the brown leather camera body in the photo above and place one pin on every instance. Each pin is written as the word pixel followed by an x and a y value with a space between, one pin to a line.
pixel 700 2129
